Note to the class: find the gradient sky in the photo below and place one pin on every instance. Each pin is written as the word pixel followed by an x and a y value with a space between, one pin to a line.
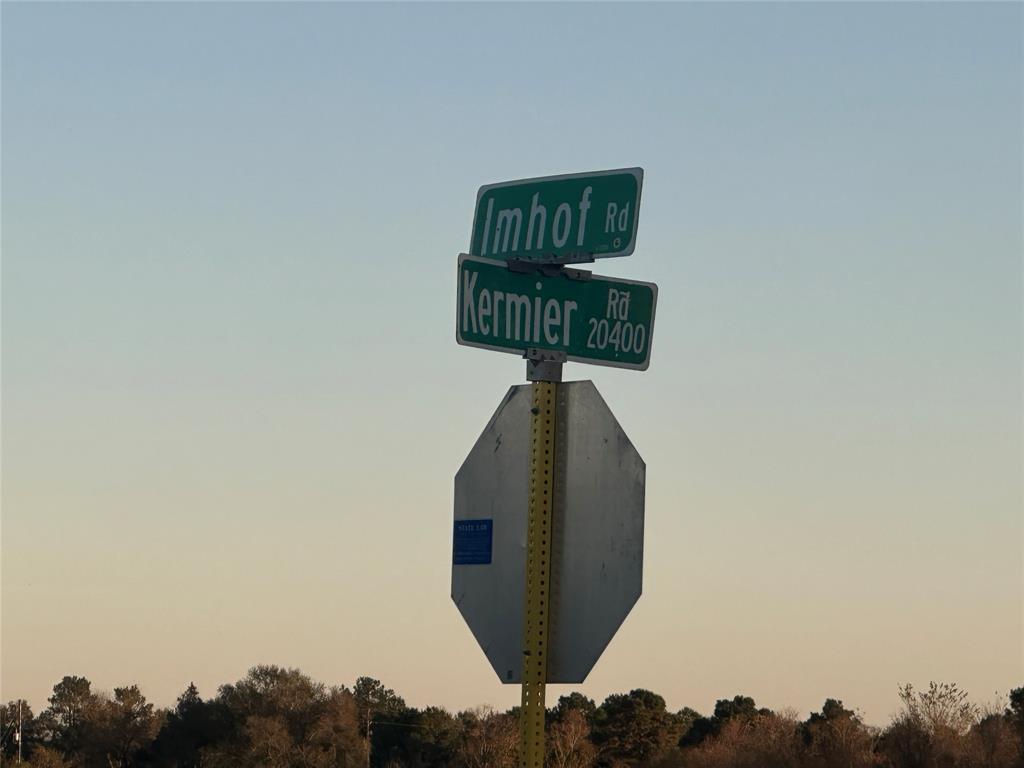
pixel 233 405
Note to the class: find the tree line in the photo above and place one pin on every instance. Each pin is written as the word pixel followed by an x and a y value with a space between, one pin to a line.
pixel 280 718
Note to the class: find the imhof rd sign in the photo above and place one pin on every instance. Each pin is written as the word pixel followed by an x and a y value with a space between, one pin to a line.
pixel 574 217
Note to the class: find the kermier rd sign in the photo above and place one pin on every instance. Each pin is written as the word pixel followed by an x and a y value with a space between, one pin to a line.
pixel 590 318
pixel 559 219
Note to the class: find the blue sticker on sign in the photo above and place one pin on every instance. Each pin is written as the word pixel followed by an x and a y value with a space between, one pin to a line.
pixel 472 542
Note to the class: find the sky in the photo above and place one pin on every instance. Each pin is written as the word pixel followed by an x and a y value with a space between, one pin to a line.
pixel 233 404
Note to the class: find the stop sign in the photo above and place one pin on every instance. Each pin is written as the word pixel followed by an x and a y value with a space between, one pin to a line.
pixel 597 535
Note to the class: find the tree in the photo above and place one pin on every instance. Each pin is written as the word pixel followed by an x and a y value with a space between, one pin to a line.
pixel 574 701
pixel 631 728
pixel 111 732
pixel 269 690
pixel 268 742
pixel 44 757
pixel 133 725
pixel 929 728
pixel 373 699
pixel 742 707
pixel 739 708
pixel 62 720
pixel 335 733
pixel 569 745
pixel 1015 712
pixel 836 736
pixel 760 740
pixel 435 743
pixel 191 726
pixel 685 718
pixel 17 724
pixel 394 737
pixel 489 739
pixel 993 743
pixel 943 707
pixel 70 697
pixel 276 714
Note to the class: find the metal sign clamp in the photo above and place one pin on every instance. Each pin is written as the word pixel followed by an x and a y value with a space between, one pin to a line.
pixel 577 274
pixel 548 264
pixel 547 269
pixel 530 267
pixel 575 257
pixel 544 364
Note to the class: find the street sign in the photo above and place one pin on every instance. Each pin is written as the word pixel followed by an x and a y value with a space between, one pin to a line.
pixel 591 318
pixel 596 542
pixel 547 543
pixel 573 217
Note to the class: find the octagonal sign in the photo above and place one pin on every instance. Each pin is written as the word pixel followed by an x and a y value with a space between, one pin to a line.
pixel 598 529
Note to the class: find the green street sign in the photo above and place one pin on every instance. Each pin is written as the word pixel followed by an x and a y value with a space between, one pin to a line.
pixel 602 320
pixel 571 218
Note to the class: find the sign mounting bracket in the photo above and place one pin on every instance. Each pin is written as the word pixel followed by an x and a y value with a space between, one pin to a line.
pixel 547 269
pixel 544 364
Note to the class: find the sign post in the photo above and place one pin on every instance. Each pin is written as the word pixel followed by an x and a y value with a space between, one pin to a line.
pixel 549 504
pixel 538 572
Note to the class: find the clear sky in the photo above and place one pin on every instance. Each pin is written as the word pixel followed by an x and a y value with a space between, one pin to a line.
pixel 233 405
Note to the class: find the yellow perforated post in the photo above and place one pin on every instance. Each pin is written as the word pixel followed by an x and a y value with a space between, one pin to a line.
pixel 538 574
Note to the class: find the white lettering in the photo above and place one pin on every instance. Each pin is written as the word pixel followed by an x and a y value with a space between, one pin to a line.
pixel 528 317
pixel 503 226
pixel 522 310
pixel 468 286
pixel 563 213
pixel 552 317
pixel 566 325
pixel 584 207
pixel 499 296
pixel 609 220
pixel 618 305
pixel 484 308
pixel 613 297
pixel 535 212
